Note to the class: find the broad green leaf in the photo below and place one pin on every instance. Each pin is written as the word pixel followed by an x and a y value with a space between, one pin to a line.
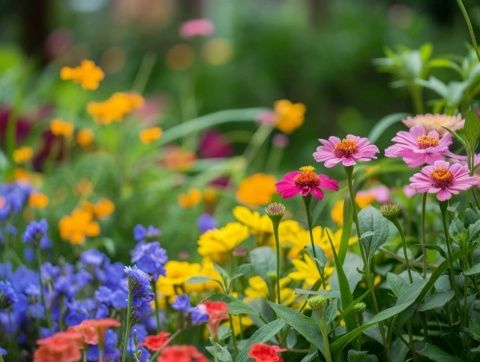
pixel 474 231
pixel 361 356
pixel 473 270
pixel 221 352
pixel 396 283
pixel 199 279
pixel 304 325
pixel 472 129
pixel 261 335
pixel 434 353
pixel 347 229
pixel 263 260
pixel 456 229
pixel 375 227
pixel 384 124
pixel 437 300
pixel 242 270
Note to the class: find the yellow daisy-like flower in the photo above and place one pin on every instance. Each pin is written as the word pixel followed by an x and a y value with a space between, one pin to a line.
pixel 77 226
pixel 190 199
pixel 61 128
pixel 87 74
pixel 150 135
pixel 256 190
pixel 207 270
pixel 38 200
pixel 240 322
pixel 22 154
pixel 115 108
pixel 260 225
pixel 216 244
pixel 85 137
pixel 177 273
pixel 258 289
pixel 306 270
pixel 289 116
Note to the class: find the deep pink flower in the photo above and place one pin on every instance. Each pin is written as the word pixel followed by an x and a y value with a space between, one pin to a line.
pixel 348 151
pixel 214 145
pixel 418 147
pixel 196 27
pixel 443 179
pixel 305 182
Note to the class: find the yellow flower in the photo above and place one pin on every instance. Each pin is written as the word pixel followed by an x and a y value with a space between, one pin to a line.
pixel 307 272
pixel 260 225
pixel 240 323
pixel 216 244
pixel 87 74
pixel 150 135
pixel 190 199
pixel 38 200
pixel 22 154
pixel 256 190
pixel 114 108
pixel 78 225
pixel 363 199
pixel 177 273
pixel 289 116
pixel 210 195
pixel 258 289
pixel 61 128
pixel 85 137
pixel 207 270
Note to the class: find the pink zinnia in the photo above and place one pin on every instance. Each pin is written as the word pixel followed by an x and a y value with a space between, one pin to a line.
pixel 443 179
pixel 305 182
pixel 418 147
pixel 348 151
pixel 196 27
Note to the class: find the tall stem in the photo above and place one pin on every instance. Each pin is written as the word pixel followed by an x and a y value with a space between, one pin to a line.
pixel 453 283
pixel 127 325
pixel 326 343
pixel 42 293
pixel 157 306
pixel 277 246
pixel 469 27
pixel 422 234
pixel 404 245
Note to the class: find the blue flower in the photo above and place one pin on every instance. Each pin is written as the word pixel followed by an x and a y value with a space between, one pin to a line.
pixel 150 258
pixel 36 234
pixel 182 302
pixel 93 257
pixel 206 222
pixel 140 291
pixel 142 233
pixel 198 315
pixel 8 297
pixel 3 352
pixel 110 353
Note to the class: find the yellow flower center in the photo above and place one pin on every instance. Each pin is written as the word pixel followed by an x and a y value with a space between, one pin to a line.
pixel 442 177
pixel 426 141
pixel 345 148
pixel 307 178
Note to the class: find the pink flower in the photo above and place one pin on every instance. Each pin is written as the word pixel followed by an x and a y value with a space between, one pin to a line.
pixel 418 147
pixel 380 193
pixel 437 122
pixel 196 27
pixel 347 151
pixel 305 182
pixel 443 179
pixel 408 190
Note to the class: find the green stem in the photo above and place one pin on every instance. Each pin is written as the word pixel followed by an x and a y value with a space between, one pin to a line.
pixel 306 200
pixel 422 234
pixel 234 337
pixel 157 306
pixel 277 246
pixel 404 245
pixel 416 93
pixel 42 293
pixel 127 325
pixel 469 27
pixel 326 342
pixel 453 283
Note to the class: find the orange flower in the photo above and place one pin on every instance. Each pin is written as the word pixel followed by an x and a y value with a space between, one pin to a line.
pixel 38 200
pixel 22 154
pixel 157 342
pixel 78 225
pixel 256 190
pixel 101 209
pixel 85 137
pixel 289 116
pixel 178 159
pixel 84 187
pixel 150 135
pixel 87 74
pixel 115 108
pixel 61 128
pixel 61 347
pixel 93 330
pixel 190 199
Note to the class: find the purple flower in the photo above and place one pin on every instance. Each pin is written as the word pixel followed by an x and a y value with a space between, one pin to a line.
pixel 142 233
pixel 140 290
pixel 93 257
pixel 3 352
pixel 206 222
pixel 36 234
pixel 8 296
pixel 182 302
pixel 198 315
pixel 150 258
pixel 110 353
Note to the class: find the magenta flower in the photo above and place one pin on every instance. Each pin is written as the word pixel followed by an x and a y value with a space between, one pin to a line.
pixel 305 182
pixel 443 179
pixel 348 151
pixel 196 27
pixel 418 147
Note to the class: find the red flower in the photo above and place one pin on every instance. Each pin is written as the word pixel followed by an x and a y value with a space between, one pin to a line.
pixel 61 347
pixel 217 312
pixel 156 343
pixel 93 330
pixel 262 352
pixel 181 353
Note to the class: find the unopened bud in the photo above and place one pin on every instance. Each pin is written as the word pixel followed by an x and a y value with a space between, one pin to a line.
pixel 275 211
pixel 318 303
pixel 390 211
pixel 272 275
pixel 359 307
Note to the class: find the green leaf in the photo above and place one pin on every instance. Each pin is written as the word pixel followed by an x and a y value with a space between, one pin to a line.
pixel 456 229
pixel 384 124
pixel 473 270
pixel 437 300
pixel 374 230
pixel 235 306
pixel 472 129
pixel 261 335
pixel 361 356
pixel 304 325
pixel 221 352
pixel 347 229
pixel 474 231
pixel 199 279
pixel 435 354
pixel 263 260
pixel 397 284
pixel 242 270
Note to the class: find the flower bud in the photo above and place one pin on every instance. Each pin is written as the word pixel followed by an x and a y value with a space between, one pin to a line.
pixel 318 304
pixel 390 211
pixel 272 275
pixel 359 307
pixel 275 211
